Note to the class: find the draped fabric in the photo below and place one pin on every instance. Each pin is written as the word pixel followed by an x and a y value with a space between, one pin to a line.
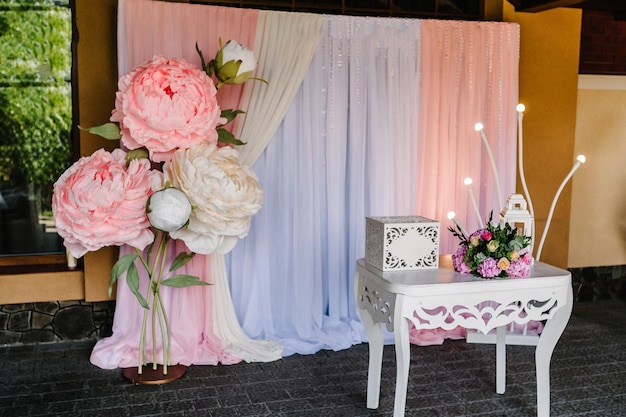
pixel 361 117
pixel 205 329
pixel 469 75
pixel 383 125
pixel 285 44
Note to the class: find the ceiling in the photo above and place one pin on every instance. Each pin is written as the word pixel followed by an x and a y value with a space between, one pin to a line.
pixel 618 7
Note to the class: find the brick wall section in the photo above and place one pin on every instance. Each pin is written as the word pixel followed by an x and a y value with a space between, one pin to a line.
pixel 602 44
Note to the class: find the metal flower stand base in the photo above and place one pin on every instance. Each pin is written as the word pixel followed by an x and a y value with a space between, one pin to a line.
pixel 150 376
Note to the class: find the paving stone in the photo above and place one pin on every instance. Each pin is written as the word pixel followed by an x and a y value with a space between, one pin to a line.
pixel 456 379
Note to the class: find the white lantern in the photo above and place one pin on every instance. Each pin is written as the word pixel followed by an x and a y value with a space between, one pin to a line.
pixel 517 215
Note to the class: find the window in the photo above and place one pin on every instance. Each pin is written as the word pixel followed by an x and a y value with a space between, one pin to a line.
pixel 35 123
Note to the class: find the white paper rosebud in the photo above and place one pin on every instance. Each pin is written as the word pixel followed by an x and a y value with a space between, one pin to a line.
pixel 227 71
pixel 234 51
pixel 168 209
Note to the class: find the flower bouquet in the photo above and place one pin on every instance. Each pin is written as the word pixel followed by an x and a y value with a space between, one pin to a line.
pixel 174 177
pixel 494 251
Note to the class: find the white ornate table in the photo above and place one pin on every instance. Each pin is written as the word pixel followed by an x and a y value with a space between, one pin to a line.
pixel 441 297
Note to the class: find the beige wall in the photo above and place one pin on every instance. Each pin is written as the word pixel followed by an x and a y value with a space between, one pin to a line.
pixel 598 218
pixel 549 50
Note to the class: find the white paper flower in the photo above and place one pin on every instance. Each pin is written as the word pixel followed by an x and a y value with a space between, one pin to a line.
pixel 168 209
pixel 234 64
pixel 234 51
pixel 224 195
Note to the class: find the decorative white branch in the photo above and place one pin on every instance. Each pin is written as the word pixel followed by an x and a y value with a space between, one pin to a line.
pixel 520 153
pixel 452 216
pixel 468 182
pixel 480 129
pixel 579 161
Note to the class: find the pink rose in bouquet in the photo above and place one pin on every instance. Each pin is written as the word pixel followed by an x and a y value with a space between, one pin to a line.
pixel 100 202
pixel 164 105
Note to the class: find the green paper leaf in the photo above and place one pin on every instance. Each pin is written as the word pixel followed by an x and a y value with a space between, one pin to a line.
pixel 141 153
pixel 132 279
pixel 229 115
pixel 109 131
pixel 228 71
pixel 239 79
pixel 181 259
pixel 180 281
pixel 120 267
pixel 225 136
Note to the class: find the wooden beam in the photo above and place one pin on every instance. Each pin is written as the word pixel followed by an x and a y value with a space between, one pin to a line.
pixel 41 287
pixel 534 6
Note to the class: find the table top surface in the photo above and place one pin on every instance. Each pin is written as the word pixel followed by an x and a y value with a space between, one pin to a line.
pixel 541 276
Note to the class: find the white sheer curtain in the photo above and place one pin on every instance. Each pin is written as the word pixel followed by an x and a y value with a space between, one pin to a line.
pixel 284 45
pixel 352 145
pixel 346 149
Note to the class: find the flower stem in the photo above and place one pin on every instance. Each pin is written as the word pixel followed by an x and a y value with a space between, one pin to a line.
pixel 157 304
pixel 165 335
pixel 142 337
pixel 154 267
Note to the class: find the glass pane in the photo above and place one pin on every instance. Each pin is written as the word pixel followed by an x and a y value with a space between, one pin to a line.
pixel 370 5
pixel 460 7
pixel 35 121
pixel 425 6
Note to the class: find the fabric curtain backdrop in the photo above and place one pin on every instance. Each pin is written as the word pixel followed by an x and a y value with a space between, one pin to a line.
pixel 469 75
pixel 205 329
pixel 382 125
pixel 364 137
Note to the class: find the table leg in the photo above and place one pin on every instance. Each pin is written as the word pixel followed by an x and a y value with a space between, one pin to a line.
pixel 375 340
pixel 403 357
pixel 375 343
pixel 500 360
pixel 547 341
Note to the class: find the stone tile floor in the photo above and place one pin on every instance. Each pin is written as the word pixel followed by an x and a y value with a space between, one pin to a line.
pixel 452 380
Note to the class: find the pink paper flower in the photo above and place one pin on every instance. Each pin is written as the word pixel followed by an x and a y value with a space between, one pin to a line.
pixel 99 202
pixel 164 105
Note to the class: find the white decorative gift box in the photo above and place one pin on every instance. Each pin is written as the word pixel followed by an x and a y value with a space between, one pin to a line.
pixel 396 243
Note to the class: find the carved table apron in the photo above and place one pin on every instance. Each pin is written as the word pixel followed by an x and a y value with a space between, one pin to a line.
pixel 443 298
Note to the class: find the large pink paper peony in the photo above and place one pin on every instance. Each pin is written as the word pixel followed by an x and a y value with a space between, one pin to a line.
pixel 165 105
pixel 224 195
pixel 100 202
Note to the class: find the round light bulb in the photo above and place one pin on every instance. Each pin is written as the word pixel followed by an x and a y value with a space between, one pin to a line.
pixel 581 159
pixel 520 107
pixel 451 215
pixel 478 127
pixel 468 181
